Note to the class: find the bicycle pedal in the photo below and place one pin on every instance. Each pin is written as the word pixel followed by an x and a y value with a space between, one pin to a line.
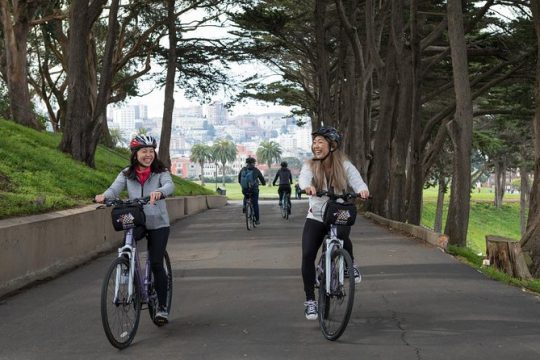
pixel 160 322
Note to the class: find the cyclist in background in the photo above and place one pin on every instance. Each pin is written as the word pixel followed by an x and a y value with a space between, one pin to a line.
pixel 147 176
pixel 285 181
pixel 328 170
pixel 249 178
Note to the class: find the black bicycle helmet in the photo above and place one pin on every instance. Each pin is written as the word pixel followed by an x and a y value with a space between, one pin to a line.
pixel 141 141
pixel 329 133
pixel 250 160
pixel 284 164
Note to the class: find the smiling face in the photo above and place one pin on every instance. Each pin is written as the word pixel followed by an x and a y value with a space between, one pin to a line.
pixel 320 147
pixel 145 156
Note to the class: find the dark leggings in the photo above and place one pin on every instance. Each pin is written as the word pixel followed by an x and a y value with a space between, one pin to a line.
pixel 282 190
pixel 157 242
pixel 312 239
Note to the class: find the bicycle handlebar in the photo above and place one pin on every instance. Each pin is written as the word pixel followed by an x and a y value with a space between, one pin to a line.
pixel 333 196
pixel 138 201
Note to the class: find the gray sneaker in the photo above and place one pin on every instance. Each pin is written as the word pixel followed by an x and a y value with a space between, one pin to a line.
pixel 311 310
pixel 162 316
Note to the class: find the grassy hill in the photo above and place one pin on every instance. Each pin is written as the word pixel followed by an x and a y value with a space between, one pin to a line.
pixel 35 177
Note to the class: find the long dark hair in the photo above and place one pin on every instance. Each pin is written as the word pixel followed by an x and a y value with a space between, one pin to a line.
pixel 156 167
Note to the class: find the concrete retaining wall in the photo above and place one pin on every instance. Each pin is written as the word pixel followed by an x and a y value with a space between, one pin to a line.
pixel 41 246
pixel 420 232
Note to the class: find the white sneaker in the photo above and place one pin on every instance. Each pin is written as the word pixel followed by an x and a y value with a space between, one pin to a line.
pixel 357 275
pixel 311 310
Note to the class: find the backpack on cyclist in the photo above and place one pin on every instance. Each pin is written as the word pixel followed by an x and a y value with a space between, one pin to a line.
pixel 247 179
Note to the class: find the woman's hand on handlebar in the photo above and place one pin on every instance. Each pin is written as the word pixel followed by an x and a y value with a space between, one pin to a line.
pixel 100 199
pixel 364 194
pixel 310 190
pixel 155 196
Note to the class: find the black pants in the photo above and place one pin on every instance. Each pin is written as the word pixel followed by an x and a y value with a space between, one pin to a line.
pixel 312 239
pixel 157 243
pixel 282 190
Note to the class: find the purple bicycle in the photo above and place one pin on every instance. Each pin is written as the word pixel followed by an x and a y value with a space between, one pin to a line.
pixel 127 286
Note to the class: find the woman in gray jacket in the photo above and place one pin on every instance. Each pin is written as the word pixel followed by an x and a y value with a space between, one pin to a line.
pixel 147 176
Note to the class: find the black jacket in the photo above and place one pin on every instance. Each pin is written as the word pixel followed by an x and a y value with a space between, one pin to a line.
pixel 285 177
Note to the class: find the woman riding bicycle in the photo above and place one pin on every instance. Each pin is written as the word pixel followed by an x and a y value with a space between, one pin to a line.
pixel 285 181
pixel 329 170
pixel 147 176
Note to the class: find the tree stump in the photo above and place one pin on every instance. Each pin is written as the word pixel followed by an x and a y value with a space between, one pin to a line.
pixel 506 255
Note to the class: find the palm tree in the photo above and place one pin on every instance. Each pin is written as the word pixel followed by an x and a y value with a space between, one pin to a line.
pixel 224 150
pixel 269 152
pixel 201 153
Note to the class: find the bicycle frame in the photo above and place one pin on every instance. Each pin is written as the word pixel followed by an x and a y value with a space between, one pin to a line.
pixel 134 265
pixel 331 243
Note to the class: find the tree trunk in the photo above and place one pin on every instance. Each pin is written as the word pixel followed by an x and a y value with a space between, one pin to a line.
pixel 168 107
pixel 415 178
pixel 500 182
pixel 15 33
pixel 437 227
pixel 322 67
pixel 80 131
pixel 380 175
pixel 202 173
pixel 105 80
pixel 400 142
pixel 223 174
pixel 506 255
pixel 530 242
pixel 457 221
pixel 525 189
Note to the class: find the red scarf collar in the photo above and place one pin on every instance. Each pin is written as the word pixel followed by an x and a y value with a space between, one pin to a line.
pixel 142 175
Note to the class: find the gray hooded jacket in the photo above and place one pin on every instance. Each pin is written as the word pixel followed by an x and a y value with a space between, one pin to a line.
pixel 156 215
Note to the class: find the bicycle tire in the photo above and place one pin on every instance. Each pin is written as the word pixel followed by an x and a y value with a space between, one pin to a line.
pixel 152 308
pixel 284 207
pixel 120 328
pixel 249 210
pixel 253 220
pixel 335 308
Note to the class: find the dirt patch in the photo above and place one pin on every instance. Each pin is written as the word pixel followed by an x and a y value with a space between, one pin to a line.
pixel 5 183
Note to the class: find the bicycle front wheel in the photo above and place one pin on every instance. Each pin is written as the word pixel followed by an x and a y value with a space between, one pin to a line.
pixel 120 313
pixel 335 303
pixel 152 308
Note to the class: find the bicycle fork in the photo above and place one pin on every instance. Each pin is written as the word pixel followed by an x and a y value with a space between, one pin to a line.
pixel 333 243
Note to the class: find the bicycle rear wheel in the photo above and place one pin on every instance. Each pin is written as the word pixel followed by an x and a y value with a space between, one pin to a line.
pixel 252 218
pixel 335 305
pixel 119 313
pixel 249 216
pixel 152 303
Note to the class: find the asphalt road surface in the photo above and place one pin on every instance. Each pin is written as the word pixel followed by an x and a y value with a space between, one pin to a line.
pixel 238 295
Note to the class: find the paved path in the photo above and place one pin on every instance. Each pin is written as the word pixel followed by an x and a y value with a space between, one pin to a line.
pixel 238 295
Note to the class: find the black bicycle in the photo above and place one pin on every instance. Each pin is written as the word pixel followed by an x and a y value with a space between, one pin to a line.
pixel 126 286
pixel 286 205
pixel 250 212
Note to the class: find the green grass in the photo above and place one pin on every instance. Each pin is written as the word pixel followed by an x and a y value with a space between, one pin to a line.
pixel 470 257
pixel 234 191
pixel 484 218
pixel 35 177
